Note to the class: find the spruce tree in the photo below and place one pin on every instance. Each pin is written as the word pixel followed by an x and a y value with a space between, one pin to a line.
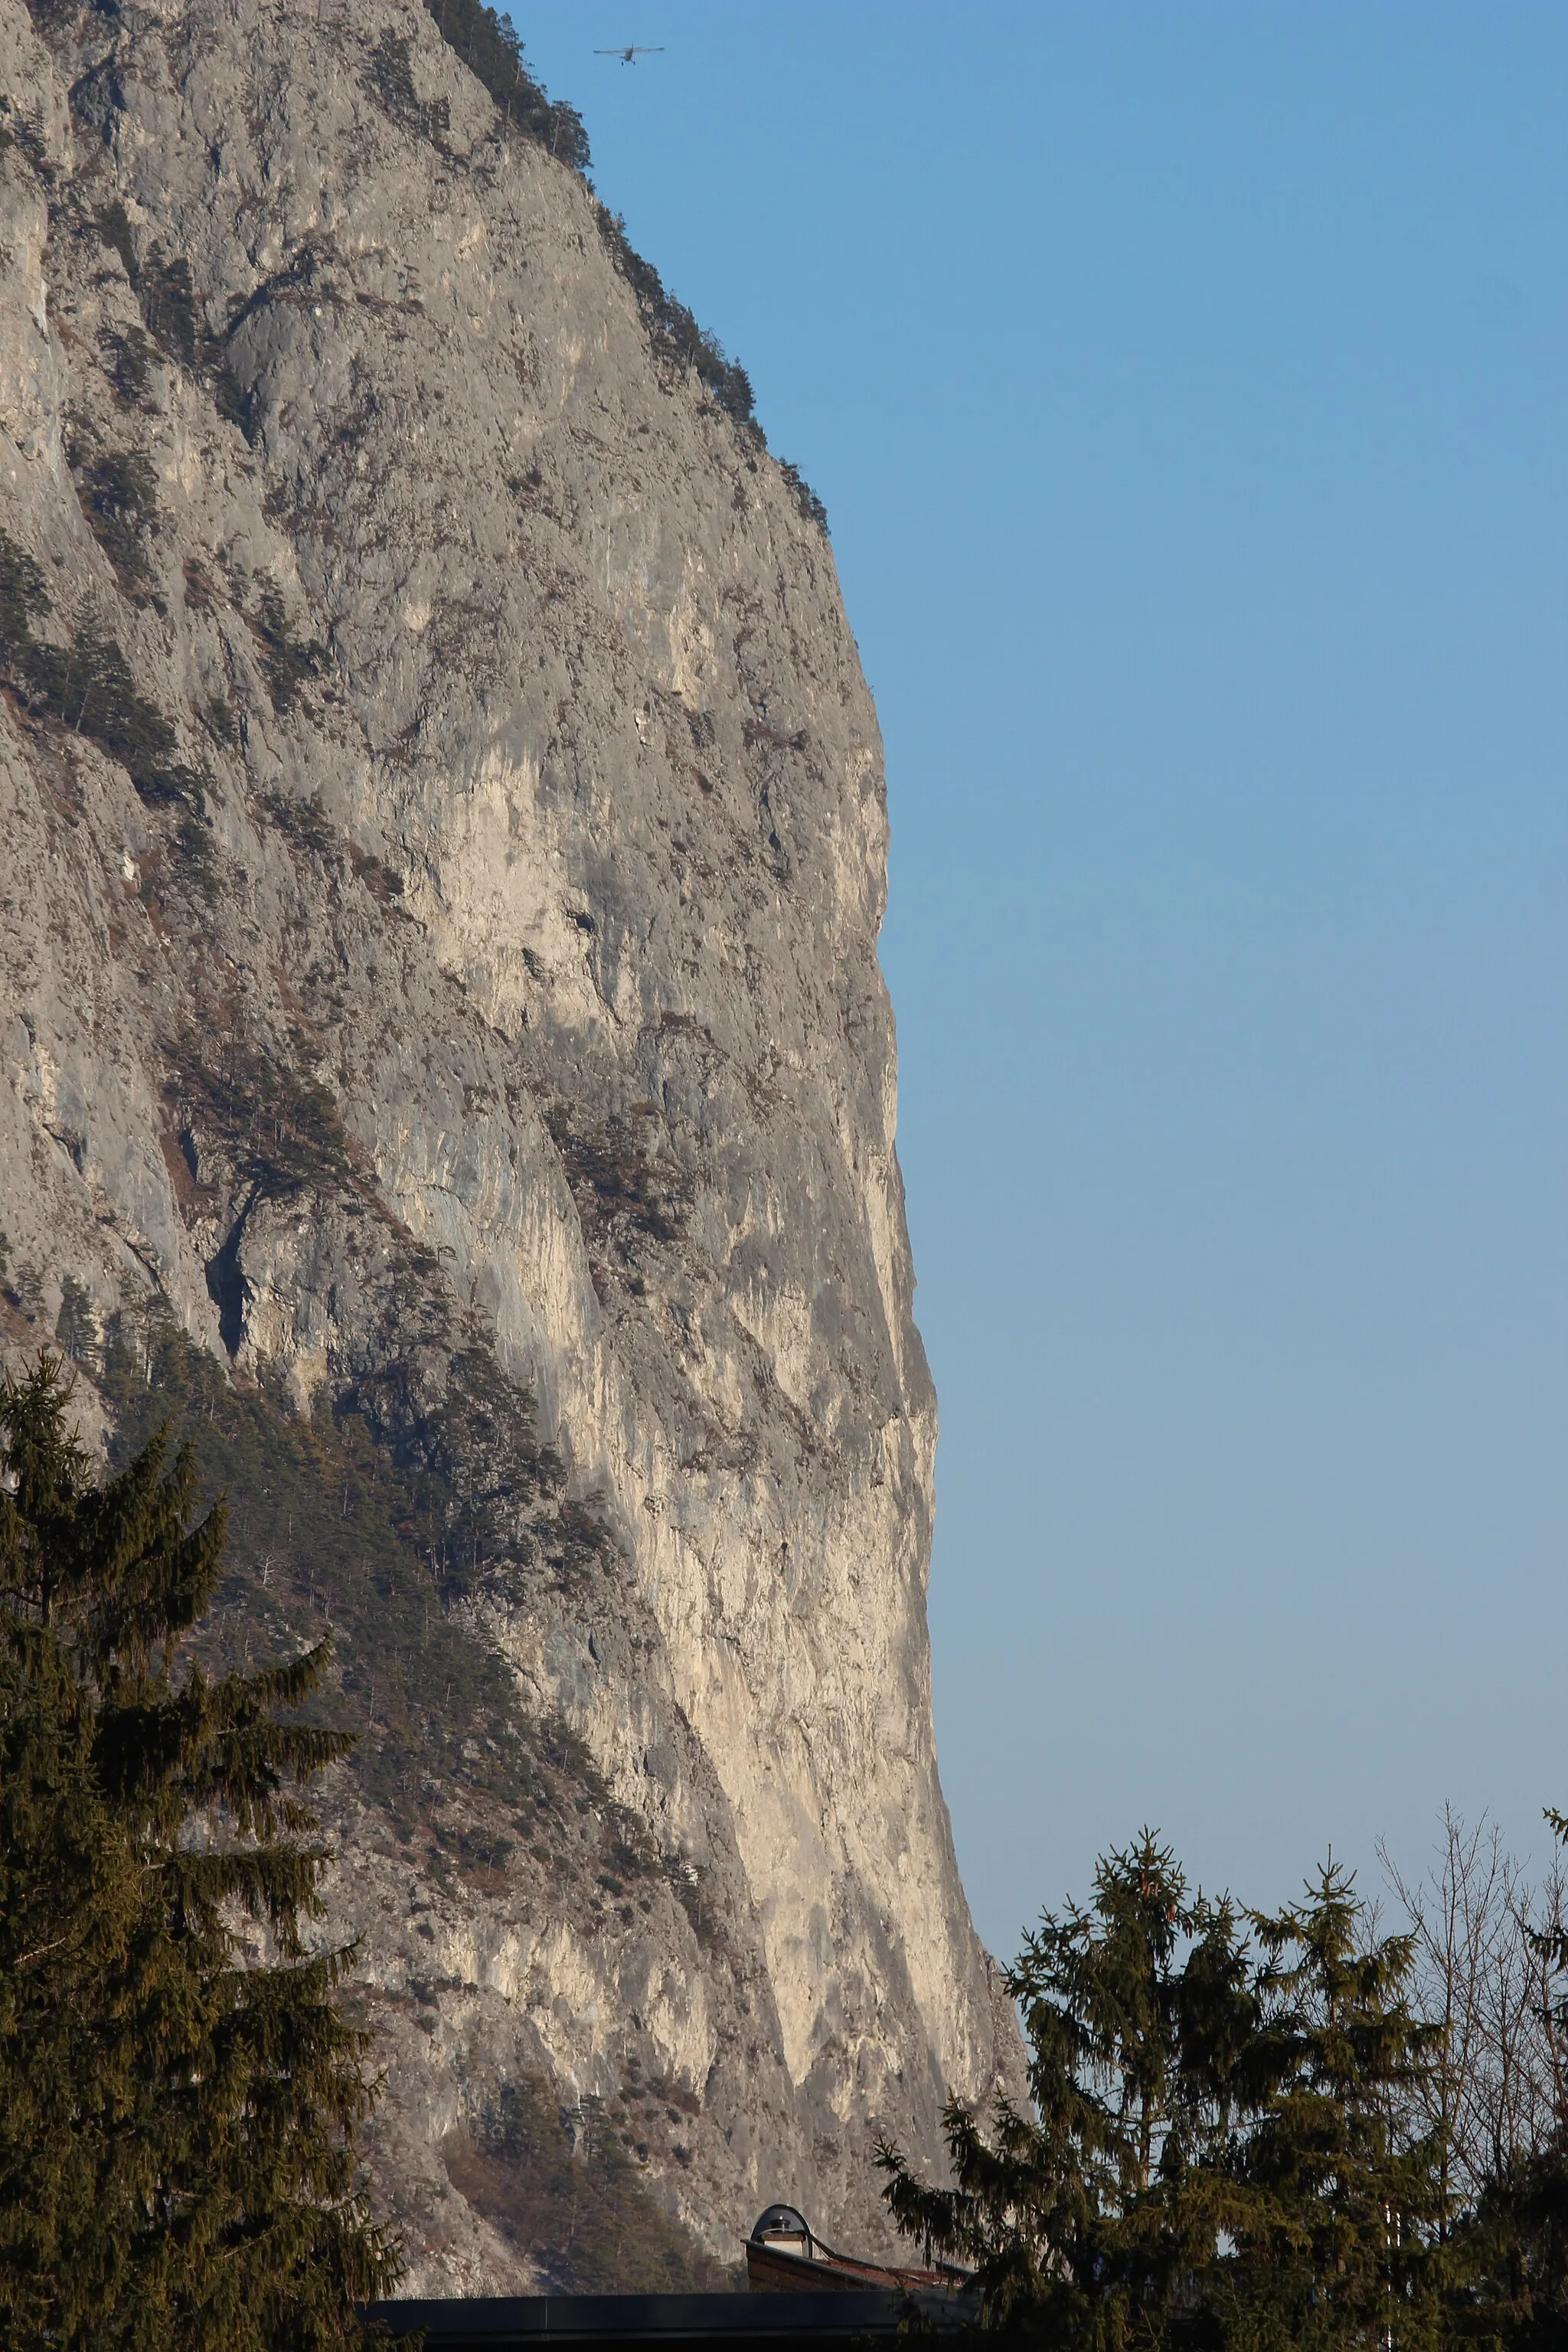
pixel 176 2130
pixel 1338 2182
pixel 1093 2220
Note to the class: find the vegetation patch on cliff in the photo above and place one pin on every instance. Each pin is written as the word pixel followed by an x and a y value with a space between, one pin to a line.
pixel 86 687
pixel 566 2190
pixel 622 1186
pixel 329 1532
pixel 493 55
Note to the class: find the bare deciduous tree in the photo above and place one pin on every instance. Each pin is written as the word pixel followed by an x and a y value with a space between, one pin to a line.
pixel 1485 1940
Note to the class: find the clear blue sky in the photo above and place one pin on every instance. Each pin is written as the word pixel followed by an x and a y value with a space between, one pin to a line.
pixel 1187 387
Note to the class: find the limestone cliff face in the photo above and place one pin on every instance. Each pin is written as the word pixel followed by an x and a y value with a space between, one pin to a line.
pixel 499 817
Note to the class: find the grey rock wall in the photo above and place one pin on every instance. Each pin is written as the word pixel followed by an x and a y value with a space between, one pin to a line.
pixel 516 837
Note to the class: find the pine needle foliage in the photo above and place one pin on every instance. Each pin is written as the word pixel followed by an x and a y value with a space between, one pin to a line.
pixel 1512 2295
pixel 1337 2245
pixel 1224 2151
pixel 176 2131
pixel 1089 2220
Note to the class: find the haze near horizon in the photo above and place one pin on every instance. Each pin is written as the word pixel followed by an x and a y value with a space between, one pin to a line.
pixel 1184 386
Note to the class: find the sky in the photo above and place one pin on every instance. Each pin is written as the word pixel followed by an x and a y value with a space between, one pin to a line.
pixel 1186 381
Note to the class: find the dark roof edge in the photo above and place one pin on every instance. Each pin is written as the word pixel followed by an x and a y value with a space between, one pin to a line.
pixel 587 2319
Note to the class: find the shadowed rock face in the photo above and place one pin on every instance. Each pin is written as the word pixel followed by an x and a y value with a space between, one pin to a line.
pixel 447 939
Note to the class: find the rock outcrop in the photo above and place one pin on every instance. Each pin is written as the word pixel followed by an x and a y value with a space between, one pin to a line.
pixel 445 846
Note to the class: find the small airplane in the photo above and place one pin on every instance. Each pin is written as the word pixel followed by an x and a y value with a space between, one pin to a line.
pixel 629 56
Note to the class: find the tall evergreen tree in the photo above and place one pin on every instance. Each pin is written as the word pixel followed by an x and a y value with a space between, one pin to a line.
pixel 176 2131
pixel 1226 2151
pixel 1338 2181
pixel 1094 2220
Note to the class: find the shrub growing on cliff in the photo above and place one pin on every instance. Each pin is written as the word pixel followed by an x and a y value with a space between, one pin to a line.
pixel 177 2160
pixel 287 661
pixel 117 498
pixel 493 55
pixel 171 314
pixel 86 686
pixel 805 498
pixel 674 329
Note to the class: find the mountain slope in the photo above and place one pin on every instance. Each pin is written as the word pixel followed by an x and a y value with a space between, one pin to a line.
pixel 445 1057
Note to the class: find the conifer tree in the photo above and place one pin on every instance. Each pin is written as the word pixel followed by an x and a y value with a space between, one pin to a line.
pixel 176 2131
pixel 1093 2221
pixel 1338 2182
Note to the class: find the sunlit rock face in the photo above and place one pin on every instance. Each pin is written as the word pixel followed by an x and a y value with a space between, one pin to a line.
pixel 472 947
